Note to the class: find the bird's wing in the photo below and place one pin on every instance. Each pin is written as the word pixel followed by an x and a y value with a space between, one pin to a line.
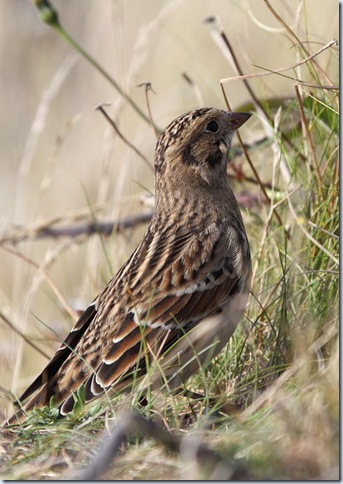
pixel 189 281
pixel 164 304
pixel 63 351
pixel 164 285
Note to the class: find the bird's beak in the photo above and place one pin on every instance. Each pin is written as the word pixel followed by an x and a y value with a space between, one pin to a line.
pixel 237 119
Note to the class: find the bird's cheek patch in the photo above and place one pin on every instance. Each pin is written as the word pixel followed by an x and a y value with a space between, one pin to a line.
pixel 214 158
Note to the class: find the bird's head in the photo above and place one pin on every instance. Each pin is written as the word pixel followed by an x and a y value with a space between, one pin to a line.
pixel 196 144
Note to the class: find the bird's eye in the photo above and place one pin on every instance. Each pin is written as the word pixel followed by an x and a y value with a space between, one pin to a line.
pixel 212 127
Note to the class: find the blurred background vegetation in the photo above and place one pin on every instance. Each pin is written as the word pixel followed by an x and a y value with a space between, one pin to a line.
pixel 62 162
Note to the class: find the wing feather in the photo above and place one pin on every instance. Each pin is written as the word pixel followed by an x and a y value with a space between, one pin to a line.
pixel 63 352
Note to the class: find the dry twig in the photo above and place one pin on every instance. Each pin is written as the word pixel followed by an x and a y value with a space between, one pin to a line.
pixel 209 462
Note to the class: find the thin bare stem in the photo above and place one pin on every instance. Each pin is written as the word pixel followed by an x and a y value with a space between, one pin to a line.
pixel 256 175
pixel 122 137
pixel 310 142
pixel 282 69
pixel 133 423
pixel 294 36
pixel 49 16
pixel 147 87
pixel 46 230
pixel 52 284
pixel 217 30
pixel 195 88
pixel 23 336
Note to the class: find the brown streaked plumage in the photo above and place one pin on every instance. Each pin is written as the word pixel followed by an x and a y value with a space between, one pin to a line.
pixel 181 294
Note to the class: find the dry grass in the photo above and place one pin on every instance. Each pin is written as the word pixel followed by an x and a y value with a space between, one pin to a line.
pixel 276 414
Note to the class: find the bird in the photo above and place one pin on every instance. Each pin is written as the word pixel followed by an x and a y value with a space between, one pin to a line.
pixel 175 303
